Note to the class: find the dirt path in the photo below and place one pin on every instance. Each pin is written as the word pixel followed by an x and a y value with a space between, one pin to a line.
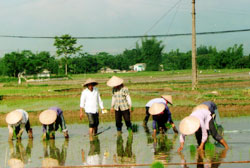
pixel 139 79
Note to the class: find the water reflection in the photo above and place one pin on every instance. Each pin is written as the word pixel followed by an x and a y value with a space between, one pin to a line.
pixel 93 157
pixel 207 158
pixel 162 148
pixel 19 156
pixel 150 139
pixel 124 155
pixel 52 155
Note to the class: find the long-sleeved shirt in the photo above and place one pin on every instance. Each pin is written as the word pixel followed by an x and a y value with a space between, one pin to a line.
pixel 24 120
pixel 90 100
pixel 121 99
pixel 156 100
pixel 204 116
pixel 163 118
pixel 59 120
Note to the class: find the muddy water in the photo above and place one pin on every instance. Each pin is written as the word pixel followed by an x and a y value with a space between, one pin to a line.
pixel 107 148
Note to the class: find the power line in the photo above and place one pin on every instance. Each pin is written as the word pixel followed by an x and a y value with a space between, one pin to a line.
pixel 132 36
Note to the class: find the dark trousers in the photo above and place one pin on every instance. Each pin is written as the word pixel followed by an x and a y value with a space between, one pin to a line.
pixel 118 119
pixel 27 127
pixel 212 131
pixel 93 120
pixel 59 122
pixel 147 115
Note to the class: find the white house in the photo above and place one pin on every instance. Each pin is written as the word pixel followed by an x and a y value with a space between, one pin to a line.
pixel 139 67
pixel 44 73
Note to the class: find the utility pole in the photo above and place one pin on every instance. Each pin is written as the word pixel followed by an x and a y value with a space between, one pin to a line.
pixel 194 63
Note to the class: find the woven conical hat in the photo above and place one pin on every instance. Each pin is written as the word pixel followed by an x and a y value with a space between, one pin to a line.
pixel 50 162
pixel 114 81
pixel 156 108
pixel 14 117
pixel 15 163
pixel 189 125
pixel 168 98
pixel 90 80
pixel 47 117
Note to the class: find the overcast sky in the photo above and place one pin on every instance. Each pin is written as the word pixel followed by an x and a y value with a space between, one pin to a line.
pixel 121 17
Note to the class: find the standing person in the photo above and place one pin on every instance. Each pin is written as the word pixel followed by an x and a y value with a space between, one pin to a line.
pixel 121 103
pixel 200 122
pixel 165 99
pixel 52 119
pixel 90 99
pixel 161 116
pixel 18 120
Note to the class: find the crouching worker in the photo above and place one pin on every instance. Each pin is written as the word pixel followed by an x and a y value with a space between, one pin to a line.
pixel 161 117
pixel 51 120
pixel 165 99
pixel 18 120
pixel 201 123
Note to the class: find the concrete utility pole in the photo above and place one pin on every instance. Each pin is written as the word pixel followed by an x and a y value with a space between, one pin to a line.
pixel 194 63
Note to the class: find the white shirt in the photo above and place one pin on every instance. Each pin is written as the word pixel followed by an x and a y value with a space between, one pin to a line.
pixel 204 116
pixel 22 123
pixel 90 100
pixel 156 100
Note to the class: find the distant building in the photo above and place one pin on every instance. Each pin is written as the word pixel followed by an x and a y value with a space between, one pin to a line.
pixel 109 70
pixel 45 73
pixel 139 67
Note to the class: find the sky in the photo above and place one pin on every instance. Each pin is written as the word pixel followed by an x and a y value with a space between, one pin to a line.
pixel 121 17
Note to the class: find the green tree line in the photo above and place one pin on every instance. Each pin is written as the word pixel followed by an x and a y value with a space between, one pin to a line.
pixel 149 51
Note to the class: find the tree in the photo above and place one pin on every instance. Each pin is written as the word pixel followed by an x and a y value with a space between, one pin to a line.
pixel 151 52
pixel 66 47
pixel 14 63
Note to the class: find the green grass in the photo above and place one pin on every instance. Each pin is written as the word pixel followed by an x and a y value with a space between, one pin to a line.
pixel 36 97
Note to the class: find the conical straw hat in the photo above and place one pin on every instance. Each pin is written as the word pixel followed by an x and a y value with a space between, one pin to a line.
pixel 14 117
pixel 50 162
pixel 189 125
pixel 15 163
pixel 90 80
pixel 156 108
pixel 168 98
pixel 114 81
pixel 47 117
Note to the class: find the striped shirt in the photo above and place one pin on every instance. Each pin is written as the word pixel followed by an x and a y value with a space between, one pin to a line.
pixel 121 99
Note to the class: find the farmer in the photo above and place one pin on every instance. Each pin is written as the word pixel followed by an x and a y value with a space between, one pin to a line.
pixel 18 120
pixel 161 116
pixel 90 99
pixel 51 119
pixel 200 122
pixel 121 103
pixel 165 99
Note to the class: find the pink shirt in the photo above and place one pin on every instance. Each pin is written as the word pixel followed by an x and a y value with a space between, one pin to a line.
pixel 204 116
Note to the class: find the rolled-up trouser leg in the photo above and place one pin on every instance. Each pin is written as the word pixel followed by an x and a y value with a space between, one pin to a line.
pixel 213 131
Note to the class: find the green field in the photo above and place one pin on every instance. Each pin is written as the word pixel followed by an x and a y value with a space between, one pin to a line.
pixel 230 89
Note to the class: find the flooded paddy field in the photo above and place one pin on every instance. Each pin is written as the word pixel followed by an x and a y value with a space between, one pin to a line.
pixel 109 149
